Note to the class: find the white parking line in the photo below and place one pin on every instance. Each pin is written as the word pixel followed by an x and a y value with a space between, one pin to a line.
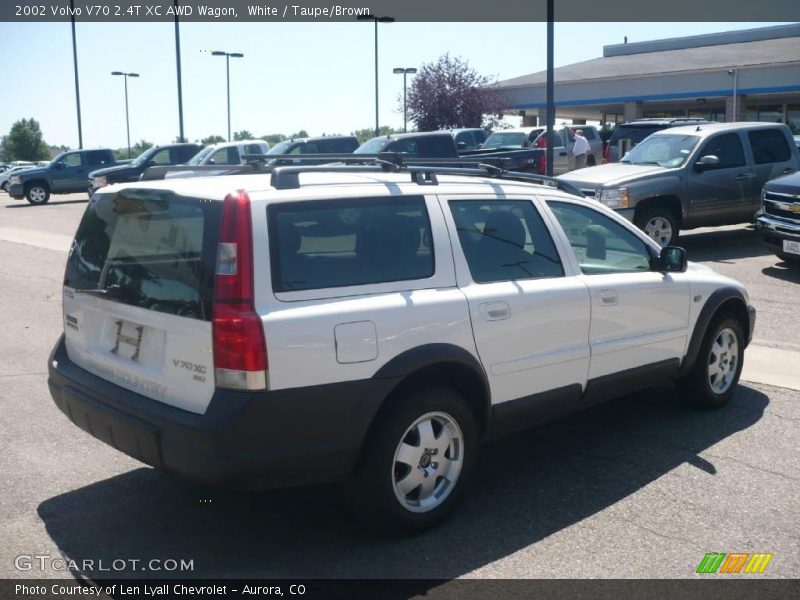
pixel 39 239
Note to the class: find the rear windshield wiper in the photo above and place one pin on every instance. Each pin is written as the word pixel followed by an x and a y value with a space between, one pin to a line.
pixel 112 290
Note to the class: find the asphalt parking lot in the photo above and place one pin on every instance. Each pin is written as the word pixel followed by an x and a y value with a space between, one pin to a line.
pixel 641 487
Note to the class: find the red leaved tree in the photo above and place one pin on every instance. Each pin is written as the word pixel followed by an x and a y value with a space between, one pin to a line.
pixel 450 94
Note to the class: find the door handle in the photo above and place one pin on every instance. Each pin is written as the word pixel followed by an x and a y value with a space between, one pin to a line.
pixel 743 176
pixel 788 170
pixel 608 297
pixel 494 311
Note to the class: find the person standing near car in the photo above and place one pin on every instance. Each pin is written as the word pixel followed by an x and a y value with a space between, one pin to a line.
pixel 580 149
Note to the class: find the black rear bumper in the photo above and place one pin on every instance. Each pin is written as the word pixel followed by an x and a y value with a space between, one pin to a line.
pixel 248 439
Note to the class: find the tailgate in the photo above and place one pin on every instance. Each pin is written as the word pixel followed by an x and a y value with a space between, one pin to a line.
pixel 138 294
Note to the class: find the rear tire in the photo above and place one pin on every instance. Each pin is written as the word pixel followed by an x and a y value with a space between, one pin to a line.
pixel 659 223
pixel 416 462
pixel 37 193
pixel 712 381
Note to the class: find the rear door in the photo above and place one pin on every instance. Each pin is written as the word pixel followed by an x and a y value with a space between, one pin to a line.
pixel 772 157
pixel 530 316
pixel 138 294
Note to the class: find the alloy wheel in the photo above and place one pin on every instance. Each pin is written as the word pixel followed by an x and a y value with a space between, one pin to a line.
pixel 723 360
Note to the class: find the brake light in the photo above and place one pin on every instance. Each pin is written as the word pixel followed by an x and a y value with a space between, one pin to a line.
pixel 240 350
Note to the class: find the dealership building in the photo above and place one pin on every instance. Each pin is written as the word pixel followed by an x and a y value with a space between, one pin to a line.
pixel 750 75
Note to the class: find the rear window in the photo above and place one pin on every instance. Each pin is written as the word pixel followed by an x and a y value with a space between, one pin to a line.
pixel 340 243
pixel 149 249
pixel 634 134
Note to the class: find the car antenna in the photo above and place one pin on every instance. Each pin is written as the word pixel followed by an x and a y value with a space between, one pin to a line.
pixel 698 128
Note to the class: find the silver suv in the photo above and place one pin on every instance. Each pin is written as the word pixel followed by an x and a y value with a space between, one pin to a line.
pixel 692 176
pixel 353 325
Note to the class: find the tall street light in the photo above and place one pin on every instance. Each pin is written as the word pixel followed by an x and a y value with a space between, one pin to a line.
pixel 75 65
pixel 127 121
pixel 370 17
pixel 404 72
pixel 228 56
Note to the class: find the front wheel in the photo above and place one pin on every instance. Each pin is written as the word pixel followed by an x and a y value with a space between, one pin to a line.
pixel 659 223
pixel 713 378
pixel 416 461
pixel 37 193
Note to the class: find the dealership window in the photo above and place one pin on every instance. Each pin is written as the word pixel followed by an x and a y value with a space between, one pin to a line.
pixel 665 114
pixel 772 113
pixel 793 118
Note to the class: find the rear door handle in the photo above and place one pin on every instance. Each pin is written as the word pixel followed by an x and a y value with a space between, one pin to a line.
pixel 608 297
pixel 494 311
pixel 788 170
pixel 744 176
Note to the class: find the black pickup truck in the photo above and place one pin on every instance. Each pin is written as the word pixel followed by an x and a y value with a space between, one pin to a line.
pixel 169 154
pixel 439 144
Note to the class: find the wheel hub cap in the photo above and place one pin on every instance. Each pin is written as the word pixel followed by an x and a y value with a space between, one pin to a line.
pixel 427 462
pixel 659 229
pixel 723 361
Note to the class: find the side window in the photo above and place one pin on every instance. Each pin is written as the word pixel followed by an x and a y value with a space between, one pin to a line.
pixel 601 244
pixel 504 240
pixel 769 145
pixel 465 137
pixel 97 158
pixel 161 157
pixel 437 146
pixel 588 133
pixel 72 160
pixel 181 154
pixel 340 243
pixel 226 156
pixel 254 149
pixel 408 145
pixel 728 148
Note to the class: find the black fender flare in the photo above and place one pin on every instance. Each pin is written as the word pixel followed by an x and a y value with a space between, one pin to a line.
pixel 707 313
pixel 416 360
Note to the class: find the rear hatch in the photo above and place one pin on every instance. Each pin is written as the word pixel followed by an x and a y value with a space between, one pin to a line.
pixel 138 293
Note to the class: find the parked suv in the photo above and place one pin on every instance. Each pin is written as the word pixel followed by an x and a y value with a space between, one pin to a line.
pixel 626 135
pixel 169 154
pixel 369 327
pixel 692 176
pixel 778 221
pixel 65 174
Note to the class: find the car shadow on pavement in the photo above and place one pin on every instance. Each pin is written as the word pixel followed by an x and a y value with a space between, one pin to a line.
pixel 526 488
pixel 783 270
pixel 722 246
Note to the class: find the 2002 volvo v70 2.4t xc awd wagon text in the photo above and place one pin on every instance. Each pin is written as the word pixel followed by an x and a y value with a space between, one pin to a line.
pixel 357 325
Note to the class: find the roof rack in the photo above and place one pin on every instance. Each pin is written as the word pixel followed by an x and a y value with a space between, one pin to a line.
pixel 423 171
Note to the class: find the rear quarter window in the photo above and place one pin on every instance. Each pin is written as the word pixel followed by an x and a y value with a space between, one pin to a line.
pixel 342 243
pixel 769 146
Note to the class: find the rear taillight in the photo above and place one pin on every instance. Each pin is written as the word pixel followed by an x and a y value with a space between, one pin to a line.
pixel 240 351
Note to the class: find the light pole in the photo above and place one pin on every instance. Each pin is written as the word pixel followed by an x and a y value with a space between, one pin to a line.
pixel 370 17
pixel 178 68
pixel 75 64
pixel 404 71
pixel 228 56
pixel 127 121
pixel 735 74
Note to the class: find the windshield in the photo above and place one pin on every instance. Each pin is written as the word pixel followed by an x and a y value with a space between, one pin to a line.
pixel 143 157
pixel 198 158
pixel 662 150
pixel 506 139
pixel 281 148
pixel 372 146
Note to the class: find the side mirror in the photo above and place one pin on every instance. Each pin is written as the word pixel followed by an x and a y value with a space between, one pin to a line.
pixel 58 165
pixel 211 161
pixel 461 145
pixel 706 162
pixel 672 259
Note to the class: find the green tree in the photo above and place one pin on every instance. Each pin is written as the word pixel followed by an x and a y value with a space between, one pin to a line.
pixel 273 138
pixel 242 135
pixel 180 140
pixel 25 142
pixel 136 150
pixel 449 93
pixel 367 134
pixel 212 139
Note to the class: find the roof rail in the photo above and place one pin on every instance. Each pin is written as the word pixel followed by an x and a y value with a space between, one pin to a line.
pixel 423 171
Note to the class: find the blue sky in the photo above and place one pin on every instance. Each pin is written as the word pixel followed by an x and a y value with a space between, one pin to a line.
pixel 313 76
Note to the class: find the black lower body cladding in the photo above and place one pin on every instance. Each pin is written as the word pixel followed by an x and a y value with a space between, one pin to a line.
pixel 246 439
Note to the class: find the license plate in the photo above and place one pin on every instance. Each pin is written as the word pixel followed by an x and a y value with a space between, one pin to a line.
pixel 791 247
